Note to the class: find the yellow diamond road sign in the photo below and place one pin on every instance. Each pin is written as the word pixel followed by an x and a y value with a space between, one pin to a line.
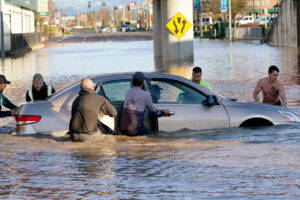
pixel 178 25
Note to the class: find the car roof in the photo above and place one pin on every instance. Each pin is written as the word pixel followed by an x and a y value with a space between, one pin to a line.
pixel 122 75
pixel 129 75
pixel 157 75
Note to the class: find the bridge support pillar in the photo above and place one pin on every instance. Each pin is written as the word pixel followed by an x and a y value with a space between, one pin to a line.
pixel 298 24
pixel 168 48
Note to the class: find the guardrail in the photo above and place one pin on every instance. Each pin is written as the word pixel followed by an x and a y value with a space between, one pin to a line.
pixel 246 33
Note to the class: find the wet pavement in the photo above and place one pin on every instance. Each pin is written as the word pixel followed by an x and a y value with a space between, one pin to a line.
pixel 238 163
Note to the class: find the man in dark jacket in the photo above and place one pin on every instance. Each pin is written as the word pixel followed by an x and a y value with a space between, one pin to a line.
pixel 85 111
pixel 39 90
pixel 4 101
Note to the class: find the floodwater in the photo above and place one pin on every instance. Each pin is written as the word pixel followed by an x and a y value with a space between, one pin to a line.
pixel 237 163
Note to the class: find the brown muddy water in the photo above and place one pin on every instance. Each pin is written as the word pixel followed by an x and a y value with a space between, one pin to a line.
pixel 238 163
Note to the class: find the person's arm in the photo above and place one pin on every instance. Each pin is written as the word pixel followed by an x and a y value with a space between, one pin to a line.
pixel 282 95
pixel 208 86
pixel 108 109
pixel 27 97
pixel 5 114
pixel 154 110
pixel 8 104
pixel 205 84
pixel 257 90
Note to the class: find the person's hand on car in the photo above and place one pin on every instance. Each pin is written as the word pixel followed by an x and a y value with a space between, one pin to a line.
pixel 13 112
pixel 166 112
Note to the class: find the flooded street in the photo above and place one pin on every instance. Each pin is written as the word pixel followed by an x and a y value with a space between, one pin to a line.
pixel 237 163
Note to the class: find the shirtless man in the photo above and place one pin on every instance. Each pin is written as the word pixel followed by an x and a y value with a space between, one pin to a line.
pixel 273 91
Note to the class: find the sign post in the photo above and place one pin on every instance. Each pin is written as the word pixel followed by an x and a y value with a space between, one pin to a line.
pixel 229 13
pixel 2 31
pixel 2 37
pixel 226 7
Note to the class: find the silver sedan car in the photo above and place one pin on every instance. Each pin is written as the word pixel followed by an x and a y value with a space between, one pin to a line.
pixel 195 107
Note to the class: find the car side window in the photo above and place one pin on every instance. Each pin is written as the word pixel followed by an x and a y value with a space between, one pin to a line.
pixel 173 92
pixel 115 90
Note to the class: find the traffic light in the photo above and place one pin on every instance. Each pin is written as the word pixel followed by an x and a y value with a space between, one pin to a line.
pixel 89 4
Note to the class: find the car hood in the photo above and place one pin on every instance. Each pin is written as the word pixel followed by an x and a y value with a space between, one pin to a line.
pixel 249 105
pixel 239 111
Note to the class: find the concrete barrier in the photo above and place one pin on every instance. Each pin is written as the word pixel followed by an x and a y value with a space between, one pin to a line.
pixel 25 40
pixel 246 33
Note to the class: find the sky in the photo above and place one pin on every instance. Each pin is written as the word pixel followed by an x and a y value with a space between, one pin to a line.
pixel 70 7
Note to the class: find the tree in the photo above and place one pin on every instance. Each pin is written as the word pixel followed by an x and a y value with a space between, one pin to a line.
pixel 211 7
pixel 91 19
pixel 237 6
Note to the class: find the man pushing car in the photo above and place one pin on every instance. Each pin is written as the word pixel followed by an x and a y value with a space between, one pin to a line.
pixel 85 111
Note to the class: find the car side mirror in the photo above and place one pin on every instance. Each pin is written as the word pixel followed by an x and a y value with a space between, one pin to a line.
pixel 210 100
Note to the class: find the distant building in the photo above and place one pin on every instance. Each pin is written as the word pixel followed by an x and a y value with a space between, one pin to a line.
pixel 19 23
pixel 256 7
pixel 19 15
pixel 67 21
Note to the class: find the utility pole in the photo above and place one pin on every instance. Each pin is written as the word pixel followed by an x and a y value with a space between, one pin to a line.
pixel 229 13
pixel 201 28
pixel 78 22
pixel 123 12
pixel 2 31
pixel 265 11
pixel 97 4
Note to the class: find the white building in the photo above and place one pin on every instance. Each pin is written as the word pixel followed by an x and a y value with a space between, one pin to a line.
pixel 20 15
pixel 18 18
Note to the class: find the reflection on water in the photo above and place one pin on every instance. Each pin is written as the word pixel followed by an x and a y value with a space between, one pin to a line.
pixel 260 163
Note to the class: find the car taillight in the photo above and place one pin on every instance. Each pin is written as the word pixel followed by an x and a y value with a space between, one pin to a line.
pixel 27 119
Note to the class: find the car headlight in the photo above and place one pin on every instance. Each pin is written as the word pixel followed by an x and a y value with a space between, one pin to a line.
pixel 291 117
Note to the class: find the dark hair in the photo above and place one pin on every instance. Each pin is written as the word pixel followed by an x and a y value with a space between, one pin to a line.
pixel 273 68
pixel 136 82
pixel 137 78
pixel 197 70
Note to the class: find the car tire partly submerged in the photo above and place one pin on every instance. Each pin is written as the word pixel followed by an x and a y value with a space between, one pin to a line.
pixel 256 122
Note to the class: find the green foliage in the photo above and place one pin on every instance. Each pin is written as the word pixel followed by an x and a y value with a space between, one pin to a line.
pixel 264 28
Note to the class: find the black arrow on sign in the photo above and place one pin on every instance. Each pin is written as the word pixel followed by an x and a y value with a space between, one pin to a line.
pixel 179 20
pixel 184 22
pixel 176 30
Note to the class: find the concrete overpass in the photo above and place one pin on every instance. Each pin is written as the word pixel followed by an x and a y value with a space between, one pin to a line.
pixel 286 29
pixel 173 32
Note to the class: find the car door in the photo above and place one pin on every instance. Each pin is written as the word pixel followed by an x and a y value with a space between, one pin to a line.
pixel 114 91
pixel 188 104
